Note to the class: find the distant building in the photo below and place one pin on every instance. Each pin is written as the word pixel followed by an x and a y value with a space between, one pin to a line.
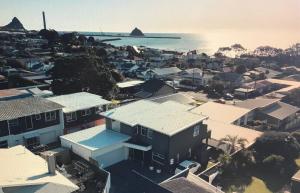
pixel 229 80
pixel 154 88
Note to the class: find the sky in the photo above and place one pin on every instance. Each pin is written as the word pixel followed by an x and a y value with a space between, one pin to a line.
pixel 190 16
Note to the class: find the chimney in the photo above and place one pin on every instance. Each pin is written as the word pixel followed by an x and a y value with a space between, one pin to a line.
pixel 51 164
pixel 44 20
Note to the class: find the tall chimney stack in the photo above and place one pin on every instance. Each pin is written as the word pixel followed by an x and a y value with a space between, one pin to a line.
pixel 44 20
pixel 51 164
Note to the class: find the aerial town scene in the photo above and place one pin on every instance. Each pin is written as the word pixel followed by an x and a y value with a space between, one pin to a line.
pixel 195 96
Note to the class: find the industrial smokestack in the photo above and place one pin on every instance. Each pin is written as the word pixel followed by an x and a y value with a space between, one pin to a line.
pixel 51 164
pixel 44 20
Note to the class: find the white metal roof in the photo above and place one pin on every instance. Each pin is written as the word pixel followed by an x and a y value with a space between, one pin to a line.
pixel 220 130
pixel 168 118
pixel 129 83
pixel 79 101
pixel 221 112
pixel 96 137
pixel 20 167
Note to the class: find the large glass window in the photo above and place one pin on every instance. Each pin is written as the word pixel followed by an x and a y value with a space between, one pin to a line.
pixel 196 131
pixel 50 116
pixel 71 117
pixel 13 123
pixel 86 112
pixel 150 134
pixel 143 131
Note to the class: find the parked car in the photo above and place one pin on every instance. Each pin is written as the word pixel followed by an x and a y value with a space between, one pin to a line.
pixel 192 165
pixel 228 96
pixel 221 101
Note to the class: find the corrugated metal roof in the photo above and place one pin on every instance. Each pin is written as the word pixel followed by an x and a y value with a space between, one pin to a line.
pixel 168 118
pixel 281 110
pixel 24 107
pixel 79 101
pixel 221 112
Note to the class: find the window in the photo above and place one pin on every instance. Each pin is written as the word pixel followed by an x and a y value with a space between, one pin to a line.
pixel 150 134
pixel 13 123
pixel 3 144
pixel 190 152
pixel 196 131
pixel 86 112
pixel 158 158
pixel 99 109
pixel 71 117
pixel 143 131
pixel 50 116
pixel 38 117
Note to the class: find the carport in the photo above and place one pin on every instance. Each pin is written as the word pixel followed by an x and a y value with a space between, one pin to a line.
pixel 104 146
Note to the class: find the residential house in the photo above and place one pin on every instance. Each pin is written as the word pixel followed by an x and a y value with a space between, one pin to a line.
pixel 230 80
pixel 24 172
pixel 162 73
pixel 255 88
pixel 154 88
pixel 81 110
pixel 269 73
pixel 277 114
pixel 191 78
pixel 11 94
pixel 30 121
pixel 164 134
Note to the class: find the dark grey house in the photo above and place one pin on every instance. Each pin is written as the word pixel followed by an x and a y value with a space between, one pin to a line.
pixel 154 88
pixel 163 134
pixel 30 121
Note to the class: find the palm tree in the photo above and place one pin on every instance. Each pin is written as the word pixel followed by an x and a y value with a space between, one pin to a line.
pixel 232 143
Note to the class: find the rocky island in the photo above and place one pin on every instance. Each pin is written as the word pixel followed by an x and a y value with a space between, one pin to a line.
pixel 14 25
pixel 136 32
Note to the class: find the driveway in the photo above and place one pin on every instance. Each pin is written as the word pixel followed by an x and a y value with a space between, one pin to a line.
pixel 129 177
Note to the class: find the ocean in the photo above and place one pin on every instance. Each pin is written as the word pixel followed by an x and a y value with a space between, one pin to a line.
pixel 210 41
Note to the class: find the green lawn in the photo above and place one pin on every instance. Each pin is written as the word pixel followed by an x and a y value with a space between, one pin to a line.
pixel 257 185
pixel 210 164
pixel 297 161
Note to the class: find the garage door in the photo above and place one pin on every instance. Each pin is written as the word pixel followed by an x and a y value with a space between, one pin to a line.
pixel 48 137
pixel 112 157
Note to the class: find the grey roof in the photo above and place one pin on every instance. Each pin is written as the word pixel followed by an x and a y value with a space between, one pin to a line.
pixel 168 118
pixel 79 101
pixel 227 76
pixel 256 103
pixel 177 97
pixel 183 185
pixel 24 107
pixel 281 110
pixel 166 71
pixel 271 73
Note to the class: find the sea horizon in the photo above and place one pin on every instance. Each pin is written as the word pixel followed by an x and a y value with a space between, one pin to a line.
pixel 210 41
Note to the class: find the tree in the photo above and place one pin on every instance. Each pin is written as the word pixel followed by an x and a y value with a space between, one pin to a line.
pixel 278 143
pixel 51 35
pixel 68 38
pixel 82 39
pixel 241 69
pixel 274 163
pixel 232 143
pixel 82 73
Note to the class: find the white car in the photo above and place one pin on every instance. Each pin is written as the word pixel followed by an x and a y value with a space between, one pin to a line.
pixel 192 165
